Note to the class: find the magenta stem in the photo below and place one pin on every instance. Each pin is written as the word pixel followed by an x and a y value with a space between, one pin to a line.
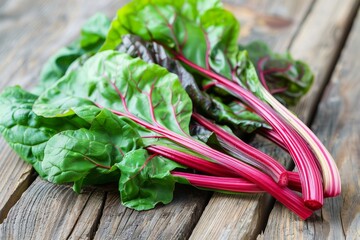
pixel 309 173
pixel 253 156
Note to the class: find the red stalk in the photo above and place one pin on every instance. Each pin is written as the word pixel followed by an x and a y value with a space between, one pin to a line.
pixel 309 174
pixel 273 136
pixel 192 161
pixel 212 168
pixel 294 181
pixel 252 155
pixel 265 182
pixel 231 184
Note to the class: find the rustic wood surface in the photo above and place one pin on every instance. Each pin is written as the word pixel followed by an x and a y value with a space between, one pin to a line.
pixel 173 221
pixel 49 211
pixel 337 124
pixel 15 178
pixel 31 31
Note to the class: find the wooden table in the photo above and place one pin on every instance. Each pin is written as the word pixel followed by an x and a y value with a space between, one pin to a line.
pixel 324 33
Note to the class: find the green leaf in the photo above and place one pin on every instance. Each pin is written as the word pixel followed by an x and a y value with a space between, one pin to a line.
pixel 171 23
pixel 242 118
pixel 85 156
pixel 26 132
pixel 94 32
pixel 287 79
pixel 212 45
pixel 145 180
pixel 121 135
pixel 130 86
pixel 70 155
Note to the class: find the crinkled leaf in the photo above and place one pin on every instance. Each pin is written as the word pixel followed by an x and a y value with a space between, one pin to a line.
pixel 212 45
pixel 130 86
pixel 92 37
pixel 70 155
pixel 26 132
pixel 122 136
pixel 85 156
pixel 244 118
pixel 145 180
pixel 205 35
pixel 287 79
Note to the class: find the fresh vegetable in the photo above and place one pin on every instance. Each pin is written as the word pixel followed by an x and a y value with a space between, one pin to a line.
pixel 212 52
pixel 124 115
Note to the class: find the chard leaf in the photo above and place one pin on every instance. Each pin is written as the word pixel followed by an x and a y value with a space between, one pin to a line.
pixel 70 155
pixel 130 86
pixel 213 30
pixel 211 47
pixel 85 156
pixel 121 135
pixel 26 132
pixel 92 36
pixel 94 32
pixel 145 180
pixel 287 79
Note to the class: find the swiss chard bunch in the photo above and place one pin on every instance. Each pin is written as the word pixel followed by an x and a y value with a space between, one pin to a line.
pixel 203 37
pixel 138 111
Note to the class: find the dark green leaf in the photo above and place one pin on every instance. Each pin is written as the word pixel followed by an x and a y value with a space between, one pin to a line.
pixel 145 180
pixel 85 156
pixel 119 82
pixel 70 155
pixel 26 132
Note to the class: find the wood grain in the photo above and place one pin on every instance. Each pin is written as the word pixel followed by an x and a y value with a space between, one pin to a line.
pixel 173 221
pixel 337 124
pixel 49 211
pixel 16 177
pixel 275 22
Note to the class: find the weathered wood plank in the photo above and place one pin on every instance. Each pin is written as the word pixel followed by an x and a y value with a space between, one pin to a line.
pixel 16 177
pixel 319 48
pixel 49 211
pixel 337 125
pixel 173 221
pixel 31 31
pixel 319 43
pixel 274 22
